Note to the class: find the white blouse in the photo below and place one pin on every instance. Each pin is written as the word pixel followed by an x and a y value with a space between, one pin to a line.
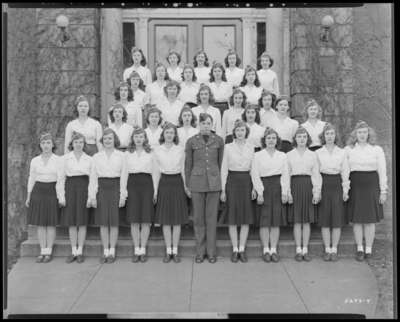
pixel 228 120
pixel 265 166
pixel 91 130
pixel 143 72
pixel 221 93
pixel 176 75
pixel 43 173
pixel 235 159
pixel 155 93
pixel 170 161
pixel 256 134
pixel 170 113
pixel 335 163
pixel 234 78
pixel 305 165
pixel 188 92
pixel 124 133
pixel 269 81
pixel 140 98
pixel 186 135
pixel 153 138
pixel 69 166
pixel 203 75
pixel 266 116
pixel 215 114
pixel 103 167
pixel 134 115
pixel 285 130
pixel 314 132
pixel 252 94
pixel 134 163
pixel 369 158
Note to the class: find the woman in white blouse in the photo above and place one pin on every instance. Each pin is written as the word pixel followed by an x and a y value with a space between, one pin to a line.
pixel 270 176
pixel 283 124
pixel 234 75
pixel 118 117
pixel 251 85
pixel 335 172
pixel 368 186
pixel 105 195
pixel 155 91
pixel 171 208
pixel 237 103
pixel 220 88
pixel 153 130
pixel 139 184
pixel 266 103
pixel 252 118
pixel 72 191
pixel 268 78
pixel 305 191
pixel 84 124
pixel 42 203
pixel 174 71
pixel 171 107
pixel 237 189
pixel 188 123
pixel 138 64
pixel 139 96
pixel 189 87
pixel 200 62
pixel 205 99
pixel 313 125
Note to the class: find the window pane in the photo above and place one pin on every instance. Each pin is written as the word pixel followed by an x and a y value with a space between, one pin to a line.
pixel 261 45
pixel 170 37
pixel 128 32
pixel 217 41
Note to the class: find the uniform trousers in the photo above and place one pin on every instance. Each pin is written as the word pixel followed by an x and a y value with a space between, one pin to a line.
pixel 205 206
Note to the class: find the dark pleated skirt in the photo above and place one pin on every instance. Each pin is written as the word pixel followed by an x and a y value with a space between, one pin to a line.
pixel 315 148
pixel 272 213
pixel 363 206
pixel 222 106
pixel 332 208
pixel 108 213
pixel 229 139
pixel 302 210
pixel 91 149
pixel 75 212
pixel 286 146
pixel 171 206
pixel 239 209
pixel 43 206
pixel 139 204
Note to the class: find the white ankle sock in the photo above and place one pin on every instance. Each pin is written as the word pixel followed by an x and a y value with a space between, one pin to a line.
pixel 368 250
pixel 48 251
pixel 360 248
pixel 143 251
pixel 235 249
pixel 305 250
pixel 74 251
pixel 241 248
pixel 328 250
pixel 137 250
pixel 334 250
pixel 266 250
pixel 174 250
pixel 106 251
pixel 169 250
pixel 273 250
pixel 298 250
pixel 43 251
pixel 80 250
pixel 112 251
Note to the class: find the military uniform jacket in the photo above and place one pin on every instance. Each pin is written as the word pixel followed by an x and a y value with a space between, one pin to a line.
pixel 203 163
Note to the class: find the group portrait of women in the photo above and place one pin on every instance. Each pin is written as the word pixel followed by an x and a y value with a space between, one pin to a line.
pixel 184 138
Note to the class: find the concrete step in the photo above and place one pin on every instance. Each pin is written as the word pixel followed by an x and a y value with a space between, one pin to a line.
pixel 124 233
pixel 286 248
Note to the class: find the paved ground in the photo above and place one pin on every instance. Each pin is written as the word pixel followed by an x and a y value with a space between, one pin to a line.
pixel 346 286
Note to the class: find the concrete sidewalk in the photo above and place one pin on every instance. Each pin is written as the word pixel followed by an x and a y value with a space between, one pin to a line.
pixel 346 286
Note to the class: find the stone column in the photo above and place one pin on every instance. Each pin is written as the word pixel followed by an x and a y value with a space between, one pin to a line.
pixel 144 36
pixel 247 42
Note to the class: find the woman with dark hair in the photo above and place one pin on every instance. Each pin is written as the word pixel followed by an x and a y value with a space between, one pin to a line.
pixel 234 75
pixel 139 97
pixel 268 78
pixel 313 125
pixel 172 106
pixel 220 88
pixel 201 67
pixel 153 129
pixel 335 171
pixel 118 117
pixel 368 186
pixel 72 191
pixel 174 71
pixel 139 184
pixel 171 208
pixel 155 90
pixel 90 128
pixel 105 195
pixel 251 116
pixel 188 123
pixel 138 64
pixel 237 103
pixel 251 85
pixel 270 176
pixel 266 102
pixel 42 203
pixel 237 189
pixel 189 87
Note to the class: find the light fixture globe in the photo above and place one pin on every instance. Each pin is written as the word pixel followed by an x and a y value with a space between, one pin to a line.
pixel 62 22
pixel 327 22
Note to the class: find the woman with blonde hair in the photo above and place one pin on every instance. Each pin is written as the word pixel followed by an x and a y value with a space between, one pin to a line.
pixel 313 125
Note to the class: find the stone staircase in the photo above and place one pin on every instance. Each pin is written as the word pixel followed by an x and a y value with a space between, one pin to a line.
pixel 187 244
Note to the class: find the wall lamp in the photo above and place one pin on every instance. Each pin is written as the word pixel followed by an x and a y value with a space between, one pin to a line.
pixel 327 23
pixel 62 23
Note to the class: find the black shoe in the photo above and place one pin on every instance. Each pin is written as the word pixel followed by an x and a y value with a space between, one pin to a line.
pixel 360 256
pixel 199 259
pixel 40 258
pixel 307 257
pixel 143 258
pixel 47 258
pixel 70 258
pixel 275 258
pixel 243 257
pixel 299 257
pixel 103 259
pixel 368 256
pixel 176 258
pixel 327 257
pixel 135 258
pixel 334 257
pixel 235 257
pixel 80 258
pixel 110 259
pixel 212 259
pixel 167 258
pixel 267 257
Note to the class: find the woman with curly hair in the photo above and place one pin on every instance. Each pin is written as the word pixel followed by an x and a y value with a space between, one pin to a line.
pixel 251 116
pixel 72 191
pixel 220 88
pixel 368 186
pixel 313 125
pixel 90 128
pixel 153 130
pixel 234 75
pixel 138 64
pixel 266 103
pixel 118 117
pixel 268 78
pixel 174 71
pixel 251 85
pixel 42 203
pixel 189 87
pixel 237 103
pixel 155 91
pixel 171 208
pixel 139 184
pixel 200 62
pixel 205 100
pixel 188 123
pixel 172 106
